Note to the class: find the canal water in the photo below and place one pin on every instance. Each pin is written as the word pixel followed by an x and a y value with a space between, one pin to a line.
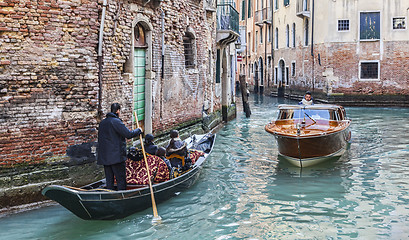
pixel 246 192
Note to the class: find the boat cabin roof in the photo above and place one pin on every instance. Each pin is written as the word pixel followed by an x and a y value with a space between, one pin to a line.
pixel 317 111
pixel 315 106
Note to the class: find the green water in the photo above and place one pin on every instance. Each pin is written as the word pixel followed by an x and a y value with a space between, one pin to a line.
pixel 246 192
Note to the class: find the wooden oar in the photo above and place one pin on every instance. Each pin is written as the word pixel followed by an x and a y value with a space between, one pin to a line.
pixel 156 217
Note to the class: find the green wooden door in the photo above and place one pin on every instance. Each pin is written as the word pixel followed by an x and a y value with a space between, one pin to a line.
pixel 139 83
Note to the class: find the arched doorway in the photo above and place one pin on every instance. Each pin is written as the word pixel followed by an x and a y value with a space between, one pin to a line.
pixel 141 65
pixel 140 47
pixel 256 75
pixel 281 78
pixel 261 74
pixel 226 95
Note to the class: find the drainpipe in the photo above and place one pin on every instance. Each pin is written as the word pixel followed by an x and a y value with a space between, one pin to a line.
pixel 265 58
pixel 162 74
pixel 101 36
pixel 312 45
pixel 272 40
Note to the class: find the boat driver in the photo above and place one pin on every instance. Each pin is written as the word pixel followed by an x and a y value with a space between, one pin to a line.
pixel 307 100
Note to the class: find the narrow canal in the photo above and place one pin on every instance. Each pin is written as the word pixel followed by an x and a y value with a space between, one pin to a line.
pixel 246 192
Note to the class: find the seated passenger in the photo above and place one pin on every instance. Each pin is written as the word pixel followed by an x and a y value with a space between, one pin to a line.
pixel 161 152
pixel 176 150
pixel 176 145
pixel 150 146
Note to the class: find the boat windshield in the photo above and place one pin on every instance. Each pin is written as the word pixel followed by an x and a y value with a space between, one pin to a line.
pixel 316 114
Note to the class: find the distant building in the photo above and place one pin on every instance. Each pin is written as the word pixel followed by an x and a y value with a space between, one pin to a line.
pixel 332 47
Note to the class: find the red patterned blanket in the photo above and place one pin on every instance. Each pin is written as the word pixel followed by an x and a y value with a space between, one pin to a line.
pixel 136 170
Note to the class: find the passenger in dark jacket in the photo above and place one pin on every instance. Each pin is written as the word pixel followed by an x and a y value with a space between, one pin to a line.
pixel 161 152
pixel 112 147
pixel 150 146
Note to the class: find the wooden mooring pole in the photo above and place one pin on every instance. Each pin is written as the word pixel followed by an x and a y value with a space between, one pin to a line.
pixel 244 96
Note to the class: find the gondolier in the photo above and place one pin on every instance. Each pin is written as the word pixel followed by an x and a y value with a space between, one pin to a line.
pixel 112 147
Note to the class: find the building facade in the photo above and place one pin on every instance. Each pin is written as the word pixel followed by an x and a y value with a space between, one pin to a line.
pixel 63 63
pixel 329 47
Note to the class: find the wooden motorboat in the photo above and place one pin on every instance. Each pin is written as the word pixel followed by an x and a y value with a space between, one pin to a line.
pixel 309 134
pixel 95 202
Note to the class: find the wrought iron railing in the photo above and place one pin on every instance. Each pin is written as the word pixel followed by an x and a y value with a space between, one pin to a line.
pixel 227 18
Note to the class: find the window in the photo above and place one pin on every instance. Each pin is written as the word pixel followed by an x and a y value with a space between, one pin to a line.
pixel 256 39
pixel 218 66
pixel 268 69
pixel 276 4
pixel 269 34
pixel 369 26
pixel 276 75
pixel 249 9
pixel 188 44
pixel 293 69
pixel 261 36
pixel 293 34
pixel 306 26
pixel 276 38
pixel 243 10
pixel 249 41
pixel 287 36
pixel 399 23
pixel 369 70
pixel 287 78
pixel 343 25
pixel 286 2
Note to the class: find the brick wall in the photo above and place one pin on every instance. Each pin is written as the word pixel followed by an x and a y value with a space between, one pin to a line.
pixel 49 71
pixel 342 59
pixel 48 86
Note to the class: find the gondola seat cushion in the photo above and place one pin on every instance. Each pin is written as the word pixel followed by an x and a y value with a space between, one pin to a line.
pixel 136 170
pixel 194 155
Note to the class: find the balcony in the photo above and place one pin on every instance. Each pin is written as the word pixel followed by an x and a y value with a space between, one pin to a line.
pixel 227 24
pixel 258 18
pixel 303 8
pixel 267 15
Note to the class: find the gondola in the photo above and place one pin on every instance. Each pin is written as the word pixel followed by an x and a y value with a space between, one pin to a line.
pixel 308 135
pixel 94 202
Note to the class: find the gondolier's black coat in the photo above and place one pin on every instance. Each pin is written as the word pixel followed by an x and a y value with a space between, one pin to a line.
pixel 111 140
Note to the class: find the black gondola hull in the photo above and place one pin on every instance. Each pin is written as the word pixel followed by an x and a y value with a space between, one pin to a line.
pixel 109 205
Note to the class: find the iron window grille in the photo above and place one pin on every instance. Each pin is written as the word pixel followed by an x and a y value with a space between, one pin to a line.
pixel 343 25
pixel 188 43
pixel 369 70
pixel 399 23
